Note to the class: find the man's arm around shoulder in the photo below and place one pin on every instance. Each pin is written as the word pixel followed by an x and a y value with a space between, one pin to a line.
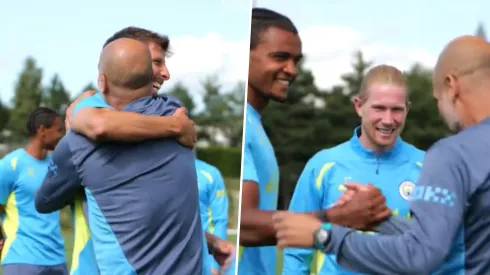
pixel 61 183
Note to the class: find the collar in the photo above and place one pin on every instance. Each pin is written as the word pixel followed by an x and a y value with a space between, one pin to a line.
pixel 370 154
pixel 252 112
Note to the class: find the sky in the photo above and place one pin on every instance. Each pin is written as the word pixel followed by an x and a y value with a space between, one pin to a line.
pixel 207 37
pixel 397 33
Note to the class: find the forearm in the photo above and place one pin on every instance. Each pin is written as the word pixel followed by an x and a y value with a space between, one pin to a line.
pixel 257 229
pixel 100 124
pixel 211 240
pixel 394 226
pixel 402 254
pixel 47 204
pixel 221 228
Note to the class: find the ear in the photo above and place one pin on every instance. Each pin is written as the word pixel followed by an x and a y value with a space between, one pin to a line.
pixel 358 105
pixel 102 83
pixel 409 105
pixel 452 83
pixel 41 130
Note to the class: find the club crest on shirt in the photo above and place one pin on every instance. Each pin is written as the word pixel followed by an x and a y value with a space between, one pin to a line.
pixel 406 188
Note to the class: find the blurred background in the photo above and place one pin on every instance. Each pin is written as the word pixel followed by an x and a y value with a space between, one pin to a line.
pixel 341 41
pixel 50 50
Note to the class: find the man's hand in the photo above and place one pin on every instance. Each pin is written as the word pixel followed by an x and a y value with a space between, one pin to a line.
pixel 295 229
pixel 362 208
pixel 69 110
pixel 2 242
pixel 188 134
pixel 223 252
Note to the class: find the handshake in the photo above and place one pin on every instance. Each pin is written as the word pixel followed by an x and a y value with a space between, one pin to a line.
pixel 360 207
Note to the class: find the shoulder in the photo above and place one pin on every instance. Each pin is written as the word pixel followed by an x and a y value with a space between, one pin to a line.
pixel 208 168
pixel 413 153
pixel 329 157
pixel 11 162
pixel 95 101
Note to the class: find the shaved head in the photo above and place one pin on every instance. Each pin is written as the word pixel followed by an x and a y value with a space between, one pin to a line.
pixel 464 56
pixel 461 81
pixel 125 65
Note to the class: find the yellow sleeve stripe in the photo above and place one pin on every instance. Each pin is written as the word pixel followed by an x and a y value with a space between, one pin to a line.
pixel 319 178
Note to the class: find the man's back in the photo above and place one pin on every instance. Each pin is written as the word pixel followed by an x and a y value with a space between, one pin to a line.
pixel 143 201
pixel 471 148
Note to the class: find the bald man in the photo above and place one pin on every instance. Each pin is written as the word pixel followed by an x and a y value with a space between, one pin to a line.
pixel 142 197
pixel 450 228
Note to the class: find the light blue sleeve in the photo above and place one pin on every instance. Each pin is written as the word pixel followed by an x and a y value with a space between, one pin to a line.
pixel 95 101
pixel 307 197
pixel 219 208
pixel 249 170
pixel 7 179
pixel 438 204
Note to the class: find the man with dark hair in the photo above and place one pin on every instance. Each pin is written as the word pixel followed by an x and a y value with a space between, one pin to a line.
pixel 33 243
pixel 275 50
pixel 153 227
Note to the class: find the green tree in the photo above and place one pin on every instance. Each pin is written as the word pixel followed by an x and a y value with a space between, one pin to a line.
pixel 4 118
pixel 56 96
pixel 182 93
pixel 340 109
pixel 28 94
pixel 220 116
pixel 424 125
pixel 235 99
pixel 353 80
pixel 480 31
pixel 89 87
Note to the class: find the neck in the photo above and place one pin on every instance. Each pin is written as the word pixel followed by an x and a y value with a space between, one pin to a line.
pixel 255 99
pixel 368 144
pixel 35 149
pixel 117 102
pixel 120 97
pixel 478 111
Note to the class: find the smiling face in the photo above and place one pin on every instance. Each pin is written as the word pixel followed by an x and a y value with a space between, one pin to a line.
pixel 160 70
pixel 273 63
pixel 383 113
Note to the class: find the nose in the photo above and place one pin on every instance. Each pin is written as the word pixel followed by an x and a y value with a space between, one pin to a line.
pixel 387 118
pixel 165 73
pixel 290 68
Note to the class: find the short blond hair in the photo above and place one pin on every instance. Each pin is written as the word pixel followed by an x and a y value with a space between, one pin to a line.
pixel 382 74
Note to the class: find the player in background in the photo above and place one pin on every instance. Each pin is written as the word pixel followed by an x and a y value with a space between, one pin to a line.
pixel 213 200
pixel 275 50
pixel 449 229
pixel 33 244
pixel 375 154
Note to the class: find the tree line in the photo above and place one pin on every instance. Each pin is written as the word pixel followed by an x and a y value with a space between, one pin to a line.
pixel 313 119
pixel 219 121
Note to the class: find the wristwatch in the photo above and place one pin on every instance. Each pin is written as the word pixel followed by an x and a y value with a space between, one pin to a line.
pixel 322 236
